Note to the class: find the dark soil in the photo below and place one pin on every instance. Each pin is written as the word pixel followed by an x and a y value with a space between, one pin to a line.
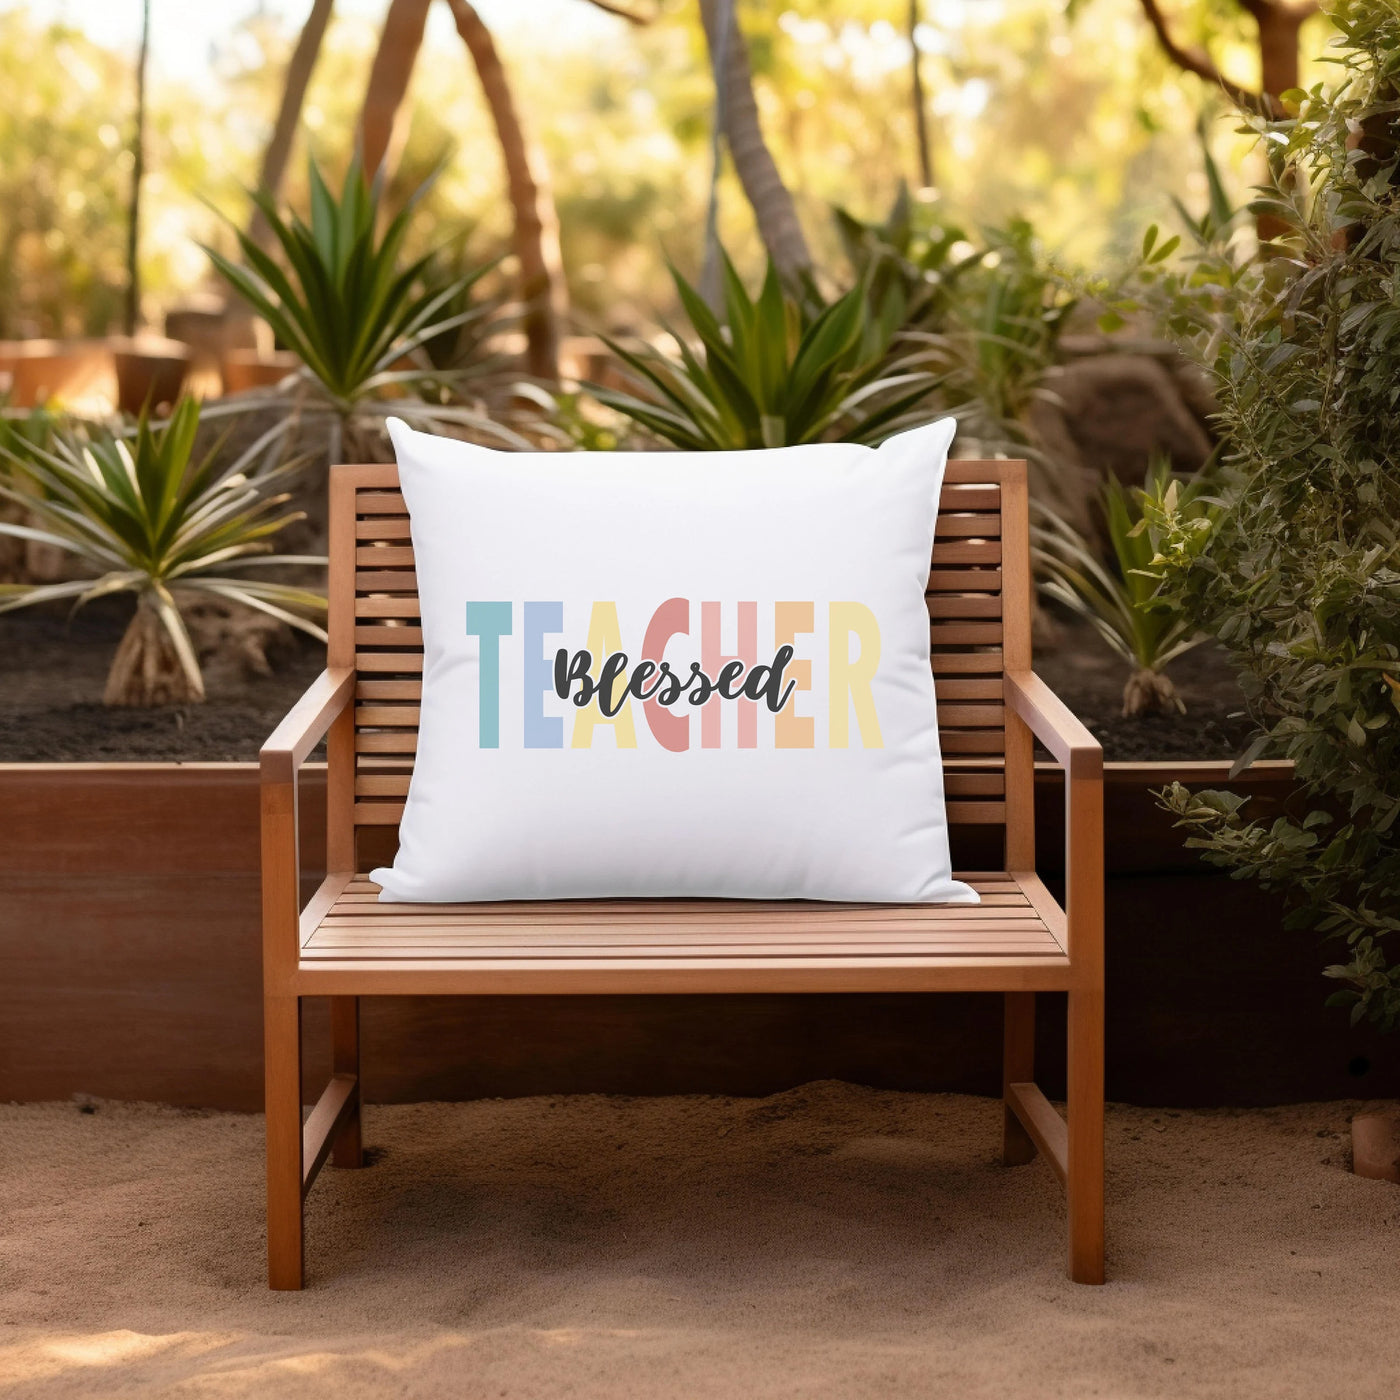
pixel 1078 665
pixel 53 666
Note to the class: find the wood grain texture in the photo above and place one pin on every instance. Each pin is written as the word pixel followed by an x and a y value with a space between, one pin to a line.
pixel 1017 941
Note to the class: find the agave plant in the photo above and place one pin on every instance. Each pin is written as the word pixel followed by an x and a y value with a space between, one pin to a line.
pixel 363 321
pixel 774 371
pixel 147 517
pixel 1119 599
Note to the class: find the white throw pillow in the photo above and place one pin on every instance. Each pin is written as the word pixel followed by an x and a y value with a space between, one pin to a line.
pixel 788 584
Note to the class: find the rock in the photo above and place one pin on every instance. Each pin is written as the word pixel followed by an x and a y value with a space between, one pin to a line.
pixel 1375 1145
pixel 1111 414
pixel 1120 410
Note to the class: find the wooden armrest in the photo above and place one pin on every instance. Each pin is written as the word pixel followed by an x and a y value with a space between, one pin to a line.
pixel 1054 724
pixel 306 722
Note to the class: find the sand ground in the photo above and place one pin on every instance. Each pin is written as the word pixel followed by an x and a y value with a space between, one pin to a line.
pixel 828 1242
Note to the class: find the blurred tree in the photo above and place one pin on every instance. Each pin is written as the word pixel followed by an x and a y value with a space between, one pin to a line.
pixel 400 39
pixel 279 146
pixel 737 116
pixel 63 181
pixel 543 290
pixel 131 310
pixel 916 83
pixel 1278 23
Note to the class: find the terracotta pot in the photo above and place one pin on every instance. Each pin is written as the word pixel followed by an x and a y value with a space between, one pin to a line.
pixel 1375 1145
pixel 150 369
pixel 248 369
pixel 39 370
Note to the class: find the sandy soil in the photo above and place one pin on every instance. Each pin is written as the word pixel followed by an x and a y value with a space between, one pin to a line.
pixel 828 1242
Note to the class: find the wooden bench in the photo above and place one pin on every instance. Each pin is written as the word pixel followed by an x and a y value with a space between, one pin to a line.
pixel 344 944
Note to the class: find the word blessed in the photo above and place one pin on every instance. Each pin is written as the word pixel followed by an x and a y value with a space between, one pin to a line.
pixel 612 686
pixel 604 684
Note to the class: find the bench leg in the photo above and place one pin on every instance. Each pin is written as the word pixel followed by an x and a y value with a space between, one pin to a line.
pixel 1017 1067
pixel 282 1050
pixel 348 1150
pixel 1085 1167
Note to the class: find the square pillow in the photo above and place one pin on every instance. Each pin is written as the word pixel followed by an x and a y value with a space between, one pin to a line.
pixel 675 673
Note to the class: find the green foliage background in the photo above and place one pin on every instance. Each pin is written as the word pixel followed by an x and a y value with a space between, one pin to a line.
pixel 1072 119
pixel 1300 576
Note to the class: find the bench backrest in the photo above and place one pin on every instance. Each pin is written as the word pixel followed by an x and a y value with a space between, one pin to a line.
pixel 979 603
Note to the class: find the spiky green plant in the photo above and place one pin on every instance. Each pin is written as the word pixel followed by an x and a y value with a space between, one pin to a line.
pixel 149 518
pixel 1118 599
pixel 773 371
pixel 361 318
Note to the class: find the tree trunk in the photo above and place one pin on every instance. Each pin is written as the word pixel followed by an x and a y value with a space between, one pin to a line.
pixel 1278 71
pixel 773 207
pixel 132 310
pixel 279 146
pixel 399 42
pixel 146 669
pixel 1278 45
pixel 543 290
pixel 920 108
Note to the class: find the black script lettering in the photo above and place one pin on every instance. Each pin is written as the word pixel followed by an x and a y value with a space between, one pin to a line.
pixel 700 685
pixel 766 682
pixel 611 696
pixel 729 683
pixel 668 690
pixel 643 673
pixel 569 669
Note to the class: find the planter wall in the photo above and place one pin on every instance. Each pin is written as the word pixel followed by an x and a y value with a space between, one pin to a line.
pixel 130 968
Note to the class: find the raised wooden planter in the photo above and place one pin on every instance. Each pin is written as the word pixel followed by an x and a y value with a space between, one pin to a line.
pixel 130 967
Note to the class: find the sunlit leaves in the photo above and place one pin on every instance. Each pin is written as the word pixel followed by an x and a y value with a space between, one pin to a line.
pixel 773 371
pixel 146 515
pixel 1301 578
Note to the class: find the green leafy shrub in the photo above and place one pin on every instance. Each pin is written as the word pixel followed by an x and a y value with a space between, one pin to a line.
pixel 988 307
pixel 1119 599
pixel 366 324
pixel 1300 575
pixel 775 370
pixel 147 518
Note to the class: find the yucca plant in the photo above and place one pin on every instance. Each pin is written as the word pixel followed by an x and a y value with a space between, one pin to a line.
pixel 913 253
pixel 1118 599
pixel 774 371
pixel 147 517
pixel 361 318
pixel 999 333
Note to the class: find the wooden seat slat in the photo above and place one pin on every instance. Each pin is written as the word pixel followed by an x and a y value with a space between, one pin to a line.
pixel 389 813
pixel 565 924
pixel 885 956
